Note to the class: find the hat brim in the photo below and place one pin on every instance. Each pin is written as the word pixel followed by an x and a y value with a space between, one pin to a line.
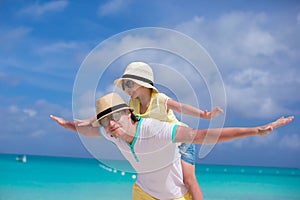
pixel 96 123
pixel 118 83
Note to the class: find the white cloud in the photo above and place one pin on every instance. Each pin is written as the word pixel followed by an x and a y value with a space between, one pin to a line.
pixel 38 10
pixel 290 141
pixel 253 103
pixel 8 79
pixel 250 76
pixel 13 109
pixel 259 42
pixel 255 58
pixel 256 141
pixel 27 122
pixel 29 112
pixel 58 47
pixel 198 20
pixel 14 33
pixel 10 37
pixel 286 141
pixel 112 7
pixel 256 93
pixel 38 133
pixel 85 106
pixel 236 39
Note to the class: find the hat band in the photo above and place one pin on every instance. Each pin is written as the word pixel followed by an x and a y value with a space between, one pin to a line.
pixel 138 78
pixel 109 110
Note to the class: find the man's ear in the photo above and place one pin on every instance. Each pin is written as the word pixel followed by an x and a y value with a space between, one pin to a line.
pixel 127 112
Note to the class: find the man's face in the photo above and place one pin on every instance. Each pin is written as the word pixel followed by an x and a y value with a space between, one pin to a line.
pixel 116 124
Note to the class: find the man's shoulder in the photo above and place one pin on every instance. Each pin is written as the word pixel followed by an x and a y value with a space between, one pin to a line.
pixel 154 124
pixel 149 121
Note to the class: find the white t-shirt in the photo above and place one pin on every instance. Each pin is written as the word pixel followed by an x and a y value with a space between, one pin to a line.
pixel 155 157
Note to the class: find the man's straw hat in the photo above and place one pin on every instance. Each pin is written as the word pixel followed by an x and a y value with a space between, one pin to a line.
pixel 108 104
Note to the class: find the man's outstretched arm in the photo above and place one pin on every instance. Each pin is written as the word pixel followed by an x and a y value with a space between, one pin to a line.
pixel 217 135
pixel 87 130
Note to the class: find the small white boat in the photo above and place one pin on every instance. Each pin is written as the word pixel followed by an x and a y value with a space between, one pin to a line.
pixel 21 158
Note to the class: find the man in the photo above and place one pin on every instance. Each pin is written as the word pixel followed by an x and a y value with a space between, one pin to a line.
pixel 150 145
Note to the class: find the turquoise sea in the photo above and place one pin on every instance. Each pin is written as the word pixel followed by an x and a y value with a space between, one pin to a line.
pixel 87 179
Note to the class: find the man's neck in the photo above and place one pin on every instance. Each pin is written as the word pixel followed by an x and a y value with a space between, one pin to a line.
pixel 130 133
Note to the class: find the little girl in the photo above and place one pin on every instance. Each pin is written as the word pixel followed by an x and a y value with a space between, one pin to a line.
pixel 146 101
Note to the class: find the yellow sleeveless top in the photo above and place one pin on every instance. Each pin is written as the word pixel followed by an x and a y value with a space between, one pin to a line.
pixel 157 109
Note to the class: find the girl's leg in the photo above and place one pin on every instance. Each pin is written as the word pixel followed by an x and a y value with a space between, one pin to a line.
pixel 187 152
pixel 190 180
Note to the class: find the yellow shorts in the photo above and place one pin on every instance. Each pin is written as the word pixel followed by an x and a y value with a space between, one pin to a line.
pixel 139 194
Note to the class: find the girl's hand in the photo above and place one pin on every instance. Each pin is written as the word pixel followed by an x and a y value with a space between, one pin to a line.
pixel 212 114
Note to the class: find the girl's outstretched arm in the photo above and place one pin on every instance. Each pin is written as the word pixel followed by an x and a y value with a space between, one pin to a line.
pixel 190 110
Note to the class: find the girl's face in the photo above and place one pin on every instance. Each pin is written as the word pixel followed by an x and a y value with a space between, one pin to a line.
pixel 130 87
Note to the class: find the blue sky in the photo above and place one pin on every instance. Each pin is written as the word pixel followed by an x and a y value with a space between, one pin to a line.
pixel 255 45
